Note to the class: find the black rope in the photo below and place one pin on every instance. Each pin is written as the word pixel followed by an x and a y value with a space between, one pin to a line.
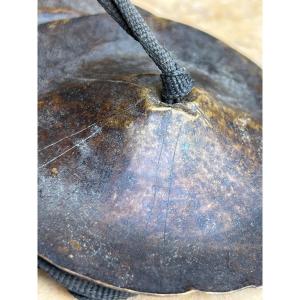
pixel 176 83
pixel 81 288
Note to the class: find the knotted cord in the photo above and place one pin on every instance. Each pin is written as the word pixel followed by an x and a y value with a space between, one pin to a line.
pixel 176 82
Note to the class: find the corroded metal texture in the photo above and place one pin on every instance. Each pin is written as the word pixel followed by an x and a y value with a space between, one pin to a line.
pixel 138 194
pixel 50 10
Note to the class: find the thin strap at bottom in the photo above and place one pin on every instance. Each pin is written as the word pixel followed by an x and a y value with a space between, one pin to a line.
pixel 82 289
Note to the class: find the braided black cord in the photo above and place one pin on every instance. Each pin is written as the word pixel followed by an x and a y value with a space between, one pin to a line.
pixel 176 83
pixel 81 288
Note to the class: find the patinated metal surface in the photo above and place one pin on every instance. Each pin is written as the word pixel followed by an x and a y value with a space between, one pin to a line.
pixel 51 10
pixel 138 194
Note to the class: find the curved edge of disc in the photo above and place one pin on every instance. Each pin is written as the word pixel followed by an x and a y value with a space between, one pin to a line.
pixel 142 292
pixel 249 61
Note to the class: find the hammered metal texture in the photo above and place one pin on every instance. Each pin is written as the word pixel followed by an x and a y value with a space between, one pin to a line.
pixel 138 194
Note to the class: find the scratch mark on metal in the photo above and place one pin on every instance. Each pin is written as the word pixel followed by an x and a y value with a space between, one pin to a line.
pixel 156 174
pixel 170 186
pixel 71 148
pixel 204 118
pixel 96 123
pixel 67 137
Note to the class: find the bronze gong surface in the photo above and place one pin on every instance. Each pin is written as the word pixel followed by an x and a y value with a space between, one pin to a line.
pixel 138 194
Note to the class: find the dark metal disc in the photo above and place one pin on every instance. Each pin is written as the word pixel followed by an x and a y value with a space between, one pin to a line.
pixel 138 194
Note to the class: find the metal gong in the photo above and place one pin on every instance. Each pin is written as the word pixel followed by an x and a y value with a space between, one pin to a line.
pixel 138 194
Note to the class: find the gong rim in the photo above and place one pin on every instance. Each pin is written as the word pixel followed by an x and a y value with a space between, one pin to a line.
pixel 133 292
pixel 247 62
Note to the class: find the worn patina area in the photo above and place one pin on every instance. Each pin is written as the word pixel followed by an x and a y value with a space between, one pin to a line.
pixel 136 193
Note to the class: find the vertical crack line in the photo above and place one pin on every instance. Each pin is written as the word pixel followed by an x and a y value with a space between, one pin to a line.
pixel 169 188
pixel 156 173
